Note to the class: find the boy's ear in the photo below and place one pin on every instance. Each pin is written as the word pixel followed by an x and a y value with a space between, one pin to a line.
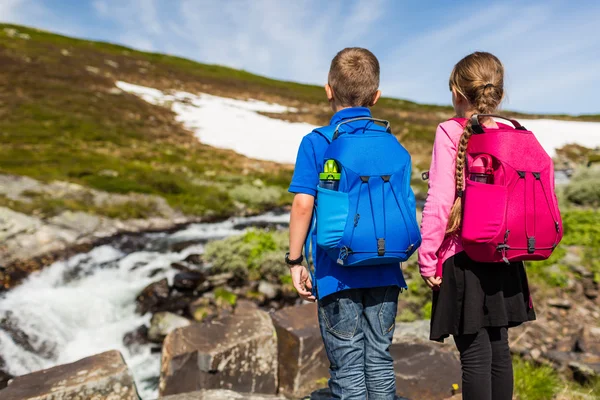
pixel 329 92
pixel 376 97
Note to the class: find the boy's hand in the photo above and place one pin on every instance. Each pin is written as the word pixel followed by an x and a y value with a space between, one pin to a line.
pixel 433 282
pixel 302 282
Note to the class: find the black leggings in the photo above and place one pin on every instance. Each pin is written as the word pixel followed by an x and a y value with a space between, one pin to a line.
pixel 487 372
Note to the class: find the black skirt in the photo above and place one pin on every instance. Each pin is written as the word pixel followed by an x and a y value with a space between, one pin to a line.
pixel 474 295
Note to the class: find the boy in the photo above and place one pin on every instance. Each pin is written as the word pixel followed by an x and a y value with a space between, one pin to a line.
pixel 357 305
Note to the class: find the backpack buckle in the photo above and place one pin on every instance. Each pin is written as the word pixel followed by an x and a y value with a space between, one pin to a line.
pixel 531 245
pixel 381 247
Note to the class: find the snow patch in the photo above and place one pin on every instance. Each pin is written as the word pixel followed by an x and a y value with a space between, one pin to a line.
pixel 237 124
pixel 553 134
pixel 230 123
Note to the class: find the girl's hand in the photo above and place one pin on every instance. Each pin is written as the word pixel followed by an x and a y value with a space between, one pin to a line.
pixel 433 282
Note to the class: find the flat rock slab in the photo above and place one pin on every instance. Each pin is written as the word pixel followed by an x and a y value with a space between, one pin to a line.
pixel 220 394
pixel 303 363
pixel 237 352
pixel 103 376
pixel 425 371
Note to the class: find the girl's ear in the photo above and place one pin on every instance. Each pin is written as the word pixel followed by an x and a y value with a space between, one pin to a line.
pixel 376 97
pixel 329 92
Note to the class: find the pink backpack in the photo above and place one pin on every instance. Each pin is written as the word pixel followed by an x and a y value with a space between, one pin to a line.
pixel 515 215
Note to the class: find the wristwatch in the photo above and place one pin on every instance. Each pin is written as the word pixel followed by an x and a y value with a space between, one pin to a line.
pixel 297 261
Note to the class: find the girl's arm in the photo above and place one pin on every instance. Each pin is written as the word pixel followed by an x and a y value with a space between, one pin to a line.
pixel 440 197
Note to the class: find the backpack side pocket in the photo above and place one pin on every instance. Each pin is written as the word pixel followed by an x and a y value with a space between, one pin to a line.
pixel 332 215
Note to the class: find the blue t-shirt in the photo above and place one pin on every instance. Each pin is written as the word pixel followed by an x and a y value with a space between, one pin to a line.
pixel 332 277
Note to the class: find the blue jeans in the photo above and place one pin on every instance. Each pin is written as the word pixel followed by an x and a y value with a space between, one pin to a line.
pixel 357 326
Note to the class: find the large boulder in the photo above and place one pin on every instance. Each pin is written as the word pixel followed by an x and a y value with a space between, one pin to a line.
pixel 424 369
pixel 221 394
pixel 236 352
pixel 303 363
pixel 103 376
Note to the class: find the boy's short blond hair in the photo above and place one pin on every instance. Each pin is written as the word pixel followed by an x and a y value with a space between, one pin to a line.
pixel 354 77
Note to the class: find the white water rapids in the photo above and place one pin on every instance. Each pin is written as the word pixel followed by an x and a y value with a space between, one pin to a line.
pixel 86 304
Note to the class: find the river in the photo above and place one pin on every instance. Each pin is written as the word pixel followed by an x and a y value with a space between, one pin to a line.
pixel 86 304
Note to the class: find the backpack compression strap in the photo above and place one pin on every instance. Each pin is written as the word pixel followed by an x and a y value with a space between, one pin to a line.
pixel 310 253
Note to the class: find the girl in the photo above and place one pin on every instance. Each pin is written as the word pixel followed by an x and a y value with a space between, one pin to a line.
pixel 474 302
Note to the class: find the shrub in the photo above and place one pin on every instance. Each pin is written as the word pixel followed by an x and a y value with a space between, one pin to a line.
pixel 256 196
pixel 257 254
pixel 584 188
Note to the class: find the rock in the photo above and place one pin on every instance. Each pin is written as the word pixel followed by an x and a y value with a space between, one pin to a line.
pixel 134 339
pixel 182 266
pixel 584 372
pixel 163 323
pixel 589 340
pixel 590 288
pixel 5 377
pixel 563 360
pixel 177 246
pixel 270 290
pixel 80 222
pixel 220 279
pixel 13 223
pixel 93 70
pixel 220 394
pixel 559 303
pixel 411 331
pixel 177 302
pixel 103 376
pixel 536 354
pixel 236 352
pixel 202 309
pixel 152 296
pixel 425 370
pixel 188 281
pixel 303 363
pixel 195 259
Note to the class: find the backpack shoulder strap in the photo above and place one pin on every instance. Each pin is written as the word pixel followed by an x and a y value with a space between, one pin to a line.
pixel 326 131
pixel 461 121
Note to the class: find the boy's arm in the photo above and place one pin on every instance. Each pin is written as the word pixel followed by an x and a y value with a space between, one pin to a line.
pixel 300 219
pixel 304 186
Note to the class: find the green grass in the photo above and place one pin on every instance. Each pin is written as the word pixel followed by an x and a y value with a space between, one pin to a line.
pixel 535 382
pixel 542 382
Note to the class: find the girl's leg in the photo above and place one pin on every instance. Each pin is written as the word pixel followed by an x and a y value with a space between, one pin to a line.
pixel 476 360
pixel 502 371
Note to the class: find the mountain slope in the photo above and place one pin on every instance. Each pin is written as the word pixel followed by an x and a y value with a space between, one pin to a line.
pixel 62 118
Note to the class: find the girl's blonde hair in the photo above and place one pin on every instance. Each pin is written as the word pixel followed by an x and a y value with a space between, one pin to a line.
pixel 479 78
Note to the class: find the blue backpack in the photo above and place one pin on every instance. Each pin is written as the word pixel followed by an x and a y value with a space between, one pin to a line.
pixel 371 218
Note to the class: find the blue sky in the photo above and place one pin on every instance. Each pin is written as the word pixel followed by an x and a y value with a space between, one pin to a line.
pixel 551 49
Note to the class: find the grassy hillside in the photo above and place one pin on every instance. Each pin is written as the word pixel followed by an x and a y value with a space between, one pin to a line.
pixel 62 119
